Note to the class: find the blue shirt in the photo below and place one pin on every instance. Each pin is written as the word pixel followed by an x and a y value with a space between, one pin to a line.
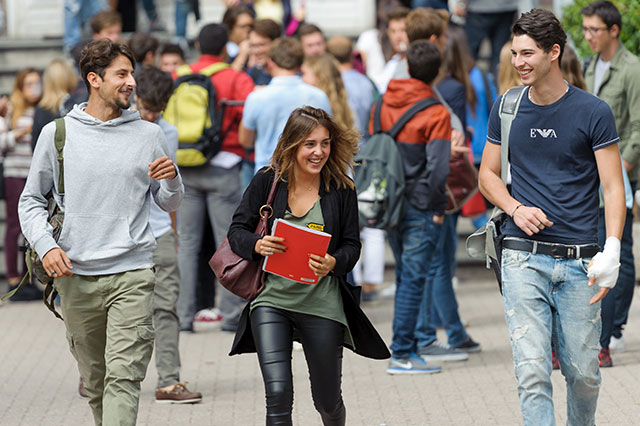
pixel 360 96
pixel 267 110
pixel 478 120
pixel 553 166
pixel 159 219
pixel 259 75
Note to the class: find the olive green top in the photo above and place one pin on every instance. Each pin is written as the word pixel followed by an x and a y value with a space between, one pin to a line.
pixel 620 88
pixel 322 299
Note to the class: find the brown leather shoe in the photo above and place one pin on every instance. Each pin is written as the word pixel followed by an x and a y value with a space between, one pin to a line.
pixel 81 391
pixel 177 394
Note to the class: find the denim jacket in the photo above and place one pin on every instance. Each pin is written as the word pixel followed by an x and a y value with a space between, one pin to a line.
pixel 620 89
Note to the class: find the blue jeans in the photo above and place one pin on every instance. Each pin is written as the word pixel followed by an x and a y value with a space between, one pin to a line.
pixel 76 14
pixel 246 173
pixel 439 300
pixel 547 298
pixel 216 192
pixel 183 8
pixel 615 305
pixel 150 9
pixel 496 26
pixel 413 244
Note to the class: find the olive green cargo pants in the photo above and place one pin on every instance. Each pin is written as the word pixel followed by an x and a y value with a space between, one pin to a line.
pixel 110 334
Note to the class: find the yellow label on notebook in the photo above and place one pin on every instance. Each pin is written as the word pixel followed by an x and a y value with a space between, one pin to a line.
pixel 316 226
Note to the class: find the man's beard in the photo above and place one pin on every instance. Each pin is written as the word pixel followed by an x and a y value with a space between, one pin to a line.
pixel 123 104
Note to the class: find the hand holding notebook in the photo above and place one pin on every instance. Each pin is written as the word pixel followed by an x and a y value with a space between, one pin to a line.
pixel 301 243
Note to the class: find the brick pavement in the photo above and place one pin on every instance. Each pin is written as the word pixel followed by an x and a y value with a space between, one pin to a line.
pixel 38 377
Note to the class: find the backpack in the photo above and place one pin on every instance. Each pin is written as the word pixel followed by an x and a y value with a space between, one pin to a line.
pixel 55 219
pixel 193 109
pixel 379 171
pixel 487 241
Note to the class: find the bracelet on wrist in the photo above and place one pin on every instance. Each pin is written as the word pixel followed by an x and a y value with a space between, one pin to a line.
pixel 517 207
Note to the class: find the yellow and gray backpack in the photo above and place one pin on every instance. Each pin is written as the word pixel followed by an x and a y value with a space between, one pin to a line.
pixel 193 109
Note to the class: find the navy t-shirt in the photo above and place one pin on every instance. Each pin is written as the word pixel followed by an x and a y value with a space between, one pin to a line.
pixel 553 166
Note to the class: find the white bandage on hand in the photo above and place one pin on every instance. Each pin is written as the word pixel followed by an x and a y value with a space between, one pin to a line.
pixel 606 264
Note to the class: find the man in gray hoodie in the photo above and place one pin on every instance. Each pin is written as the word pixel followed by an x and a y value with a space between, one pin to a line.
pixel 102 263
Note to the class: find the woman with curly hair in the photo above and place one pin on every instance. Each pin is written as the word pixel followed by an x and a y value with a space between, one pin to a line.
pixel 323 71
pixel 313 190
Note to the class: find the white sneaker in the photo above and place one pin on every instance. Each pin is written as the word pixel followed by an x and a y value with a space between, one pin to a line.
pixel 208 316
pixel 617 345
pixel 388 292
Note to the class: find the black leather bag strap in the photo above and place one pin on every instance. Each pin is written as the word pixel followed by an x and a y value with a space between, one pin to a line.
pixel 377 126
pixel 487 90
pixel 266 211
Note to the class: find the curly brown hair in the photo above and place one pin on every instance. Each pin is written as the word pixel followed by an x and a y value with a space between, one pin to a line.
pixel 344 145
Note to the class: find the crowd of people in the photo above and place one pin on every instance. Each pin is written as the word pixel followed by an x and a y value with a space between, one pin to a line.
pixel 131 261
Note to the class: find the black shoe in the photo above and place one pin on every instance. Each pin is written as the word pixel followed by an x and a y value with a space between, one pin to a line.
pixel 26 293
pixel 187 328
pixel 229 327
pixel 469 346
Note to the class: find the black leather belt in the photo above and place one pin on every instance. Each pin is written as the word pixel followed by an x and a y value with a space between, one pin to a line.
pixel 555 250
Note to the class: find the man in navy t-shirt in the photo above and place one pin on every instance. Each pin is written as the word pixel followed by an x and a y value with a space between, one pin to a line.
pixel 562 146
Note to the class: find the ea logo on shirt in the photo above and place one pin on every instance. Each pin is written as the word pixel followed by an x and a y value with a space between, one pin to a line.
pixel 545 133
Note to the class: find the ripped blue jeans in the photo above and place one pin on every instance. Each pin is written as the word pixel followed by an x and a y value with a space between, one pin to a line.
pixel 547 298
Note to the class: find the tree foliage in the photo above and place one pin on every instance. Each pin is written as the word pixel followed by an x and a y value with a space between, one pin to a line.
pixel 629 34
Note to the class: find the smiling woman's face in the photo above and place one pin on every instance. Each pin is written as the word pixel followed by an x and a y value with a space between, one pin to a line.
pixel 313 152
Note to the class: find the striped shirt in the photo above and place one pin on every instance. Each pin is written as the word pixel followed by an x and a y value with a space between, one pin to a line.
pixel 17 153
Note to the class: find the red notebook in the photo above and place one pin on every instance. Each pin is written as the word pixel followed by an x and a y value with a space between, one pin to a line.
pixel 301 242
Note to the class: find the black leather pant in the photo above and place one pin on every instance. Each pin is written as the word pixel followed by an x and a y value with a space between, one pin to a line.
pixel 322 342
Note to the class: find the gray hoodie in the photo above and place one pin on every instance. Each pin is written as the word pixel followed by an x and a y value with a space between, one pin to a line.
pixel 107 192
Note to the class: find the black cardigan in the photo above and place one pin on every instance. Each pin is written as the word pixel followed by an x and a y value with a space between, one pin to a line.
pixel 340 212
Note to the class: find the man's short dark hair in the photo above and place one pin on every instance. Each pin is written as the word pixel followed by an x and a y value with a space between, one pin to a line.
pixel 104 19
pixel 267 28
pixel 212 39
pixel 76 52
pixel 424 60
pixel 308 28
pixel 422 23
pixel 606 10
pixel 544 28
pixel 231 15
pixel 286 52
pixel 97 55
pixel 141 44
pixel 154 87
pixel 171 48
pixel 400 12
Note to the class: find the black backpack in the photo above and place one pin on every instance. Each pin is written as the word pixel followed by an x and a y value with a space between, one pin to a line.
pixel 379 171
